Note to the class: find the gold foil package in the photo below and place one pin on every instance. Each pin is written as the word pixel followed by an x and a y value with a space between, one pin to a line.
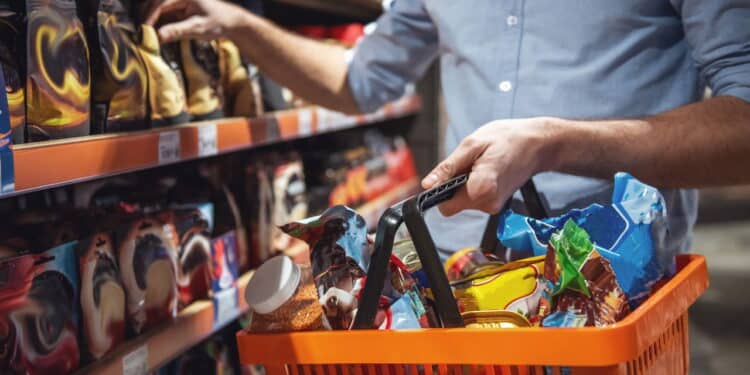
pixel 119 79
pixel 57 77
pixel 200 65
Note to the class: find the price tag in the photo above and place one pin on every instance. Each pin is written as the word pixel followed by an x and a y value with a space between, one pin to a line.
pixel 169 147
pixel 136 362
pixel 225 306
pixel 305 119
pixel 207 144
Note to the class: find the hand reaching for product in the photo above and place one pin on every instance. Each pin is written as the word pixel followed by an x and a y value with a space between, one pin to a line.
pixel 195 19
pixel 499 157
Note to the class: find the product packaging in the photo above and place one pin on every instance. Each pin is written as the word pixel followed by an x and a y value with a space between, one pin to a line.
pixel 193 226
pixel 282 297
pixel 224 273
pixel 146 250
pixel 583 289
pixel 13 66
pixel 259 208
pixel 7 184
pixel 166 93
pixel 200 64
pixel 103 301
pixel 241 89
pixel 630 233
pixel 58 85
pixel 289 204
pixel 119 90
pixel 39 312
pixel 517 286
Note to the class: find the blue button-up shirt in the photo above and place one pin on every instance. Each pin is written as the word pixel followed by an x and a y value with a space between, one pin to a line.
pixel 577 59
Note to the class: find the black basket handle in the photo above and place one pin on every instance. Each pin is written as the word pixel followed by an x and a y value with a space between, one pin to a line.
pixel 411 212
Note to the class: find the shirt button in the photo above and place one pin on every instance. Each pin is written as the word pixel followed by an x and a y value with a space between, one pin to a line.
pixel 511 20
pixel 505 86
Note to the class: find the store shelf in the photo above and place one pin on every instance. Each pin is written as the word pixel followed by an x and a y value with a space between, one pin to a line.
pixel 154 349
pixel 197 322
pixel 351 8
pixel 54 163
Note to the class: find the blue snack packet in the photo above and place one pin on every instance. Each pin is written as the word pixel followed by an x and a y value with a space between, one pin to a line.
pixel 630 233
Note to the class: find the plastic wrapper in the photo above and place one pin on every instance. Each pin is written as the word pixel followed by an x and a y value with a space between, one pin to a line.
pixel 517 286
pixel 200 63
pixel 103 304
pixel 39 315
pixel 193 227
pixel 12 66
pixel 630 233
pixel 340 256
pixel 584 289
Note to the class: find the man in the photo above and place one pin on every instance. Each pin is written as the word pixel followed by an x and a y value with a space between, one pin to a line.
pixel 505 63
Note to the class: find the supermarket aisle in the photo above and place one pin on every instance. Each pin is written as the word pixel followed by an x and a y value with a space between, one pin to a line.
pixel 720 325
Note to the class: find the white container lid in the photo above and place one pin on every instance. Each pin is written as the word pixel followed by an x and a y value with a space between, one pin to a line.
pixel 273 283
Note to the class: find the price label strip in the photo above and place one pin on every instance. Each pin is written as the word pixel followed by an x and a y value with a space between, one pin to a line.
pixel 136 362
pixel 169 147
pixel 226 307
pixel 207 140
pixel 305 121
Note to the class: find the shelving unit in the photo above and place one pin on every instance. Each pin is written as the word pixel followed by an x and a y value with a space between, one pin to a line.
pixel 197 322
pixel 48 164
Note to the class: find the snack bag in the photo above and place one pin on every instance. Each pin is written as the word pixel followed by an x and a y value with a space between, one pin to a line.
pixel 102 297
pixel 58 82
pixel 193 227
pixel 200 64
pixel 289 203
pixel 583 286
pixel 241 90
pixel 340 255
pixel 629 233
pixel 119 90
pixel 39 312
pixel 147 250
pixel 517 286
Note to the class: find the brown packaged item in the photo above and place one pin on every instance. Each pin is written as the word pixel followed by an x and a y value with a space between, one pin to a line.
pixel 494 319
pixel 58 85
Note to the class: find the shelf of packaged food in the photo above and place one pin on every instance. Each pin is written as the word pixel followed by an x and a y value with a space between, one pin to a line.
pixel 197 321
pixel 351 8
pixel 146 353
pixel 372 210
pixel 54 163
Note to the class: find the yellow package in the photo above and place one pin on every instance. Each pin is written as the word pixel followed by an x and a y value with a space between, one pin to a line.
pixel 515 286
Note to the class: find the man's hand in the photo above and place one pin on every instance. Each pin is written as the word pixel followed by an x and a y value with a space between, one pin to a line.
pixel 499 157
pixel 196 19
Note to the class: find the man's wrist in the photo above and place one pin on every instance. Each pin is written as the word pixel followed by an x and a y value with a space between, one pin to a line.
pixel 553 142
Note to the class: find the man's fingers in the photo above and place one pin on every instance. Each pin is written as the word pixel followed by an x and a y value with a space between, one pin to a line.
pixel 459 161
pixel 189 28
pixel 480 193
pixel 458 203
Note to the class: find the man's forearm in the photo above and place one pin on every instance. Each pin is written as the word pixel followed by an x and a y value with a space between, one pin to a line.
pixel 701 144
pixel 314 70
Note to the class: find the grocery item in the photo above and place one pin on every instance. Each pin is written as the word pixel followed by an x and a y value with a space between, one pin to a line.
pixel 166 93
pixel 259 208
pixel 283 298
pixel 584 289
pixel 6 133
pixel 289 203
pixel 240 87
pixel 463 263
pixel 630 233
pixel 193 227
pixel 12 65
pixel 58 85
pixel 489 319
pixel 517 286
pixel 146 250
pixel 200 65
pixel 224 270
pixel 103 304
pixel 119 90
pixel 339 257
pixel 39 312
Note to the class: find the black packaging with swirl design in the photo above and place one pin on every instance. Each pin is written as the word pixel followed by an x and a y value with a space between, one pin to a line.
pixel 58 85
pixel 119 90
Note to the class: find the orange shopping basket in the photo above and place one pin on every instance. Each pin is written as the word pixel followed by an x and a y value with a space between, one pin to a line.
pixel 653 339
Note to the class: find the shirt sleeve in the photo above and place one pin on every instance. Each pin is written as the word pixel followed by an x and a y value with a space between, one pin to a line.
pixel 718 32
pixel 399 50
